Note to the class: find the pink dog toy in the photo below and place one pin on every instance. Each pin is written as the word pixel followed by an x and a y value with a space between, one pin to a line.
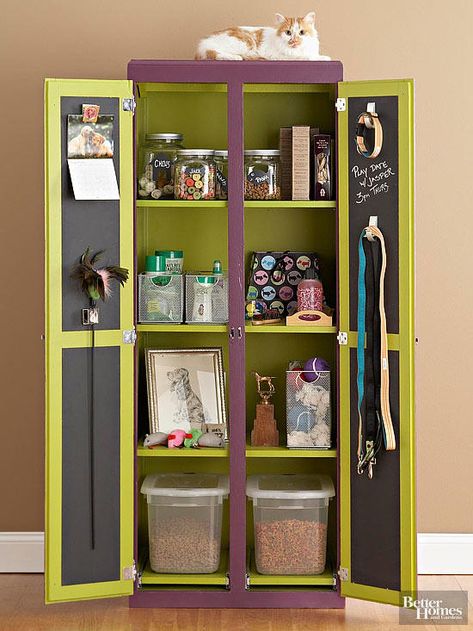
pixel 176 438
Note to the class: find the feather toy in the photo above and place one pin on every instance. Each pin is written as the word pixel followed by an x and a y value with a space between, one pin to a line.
pixel 94 281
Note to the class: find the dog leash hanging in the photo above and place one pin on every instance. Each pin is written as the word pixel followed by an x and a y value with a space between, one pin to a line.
pixel 374 414
pixel 369 120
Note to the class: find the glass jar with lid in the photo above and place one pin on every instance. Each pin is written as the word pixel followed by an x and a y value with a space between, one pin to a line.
pixel 194 174
pixel 262 174
pixel 221 174
pixel 156 162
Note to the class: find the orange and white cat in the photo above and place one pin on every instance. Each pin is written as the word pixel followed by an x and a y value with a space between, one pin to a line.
pixel 291 39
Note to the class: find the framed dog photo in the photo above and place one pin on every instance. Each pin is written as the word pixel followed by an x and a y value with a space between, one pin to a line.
pixel 186 390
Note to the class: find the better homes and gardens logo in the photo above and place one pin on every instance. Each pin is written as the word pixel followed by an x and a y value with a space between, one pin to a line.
pixel 434 607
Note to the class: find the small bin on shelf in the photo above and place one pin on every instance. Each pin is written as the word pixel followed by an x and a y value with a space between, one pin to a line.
pixel 160 297
pixel 185 521
pixel 206 298
pixel 308 408
pixel 290 514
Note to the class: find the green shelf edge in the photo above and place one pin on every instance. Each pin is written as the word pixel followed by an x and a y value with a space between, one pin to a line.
pixel 181 328
pixel 283 328
pixel 256 579
pixel 262 205
pixel 223 328
pixel 164 452
pixel 148 577
pixel 290 204
pixel 285 452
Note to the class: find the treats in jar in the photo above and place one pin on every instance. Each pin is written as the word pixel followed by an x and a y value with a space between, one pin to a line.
pixel 262 174
pixel 194 174
pixel 157 159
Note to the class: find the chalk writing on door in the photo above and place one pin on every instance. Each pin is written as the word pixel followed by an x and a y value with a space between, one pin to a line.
pixel 372 180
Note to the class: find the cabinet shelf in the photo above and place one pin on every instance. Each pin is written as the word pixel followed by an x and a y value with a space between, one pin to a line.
pixel 219 577
pixel 282 328
pixel 256 579
pixel 285 452
pixel 290 204
pixel 164 452
pixel 155 327
pixel 179 203
pixel 262 205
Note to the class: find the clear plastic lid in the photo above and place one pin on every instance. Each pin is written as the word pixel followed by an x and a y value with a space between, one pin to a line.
pixel 290 486
pixel 185 484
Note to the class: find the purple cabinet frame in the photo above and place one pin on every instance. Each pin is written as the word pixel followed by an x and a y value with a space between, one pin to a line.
pixel 235 74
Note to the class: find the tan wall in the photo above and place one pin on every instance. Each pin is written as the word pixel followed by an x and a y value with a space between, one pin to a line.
pixel 425 39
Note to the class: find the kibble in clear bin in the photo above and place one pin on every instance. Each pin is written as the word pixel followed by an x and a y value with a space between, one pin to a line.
pixel 262 174
pixel 194 175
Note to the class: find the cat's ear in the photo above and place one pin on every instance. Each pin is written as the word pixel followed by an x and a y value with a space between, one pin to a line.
pixel 310 18
pixel 280 18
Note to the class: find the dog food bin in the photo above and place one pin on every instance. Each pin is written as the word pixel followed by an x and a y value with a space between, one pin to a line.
pixel 290 514
pixel 185 521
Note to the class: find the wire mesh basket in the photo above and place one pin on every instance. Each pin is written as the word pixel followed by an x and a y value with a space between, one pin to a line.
pixel 160 298
pixel 206 298
pixel 308 409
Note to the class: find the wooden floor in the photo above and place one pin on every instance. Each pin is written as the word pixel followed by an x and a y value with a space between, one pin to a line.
pixel 22 609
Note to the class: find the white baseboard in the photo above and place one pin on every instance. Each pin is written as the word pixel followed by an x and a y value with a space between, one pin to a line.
pixel 21 552
pixel 444 553
pixel 437 553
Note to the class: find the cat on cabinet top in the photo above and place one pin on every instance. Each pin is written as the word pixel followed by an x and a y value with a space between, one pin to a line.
pixel 291 39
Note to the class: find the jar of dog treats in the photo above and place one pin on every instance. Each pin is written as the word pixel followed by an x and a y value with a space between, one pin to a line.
pixel 262 174
pixel 156 163
pixel 221 174
pixel 194 174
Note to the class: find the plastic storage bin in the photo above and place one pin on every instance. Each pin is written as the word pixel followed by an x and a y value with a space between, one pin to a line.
pixel 160 297
pixel 206 298
pixel 290 522
pixel 308 410
pixel 185 521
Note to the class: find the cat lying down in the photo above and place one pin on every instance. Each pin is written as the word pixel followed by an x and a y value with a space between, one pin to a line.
pixel 291 39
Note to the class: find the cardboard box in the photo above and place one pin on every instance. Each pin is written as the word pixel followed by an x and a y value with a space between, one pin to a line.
pixel 300 162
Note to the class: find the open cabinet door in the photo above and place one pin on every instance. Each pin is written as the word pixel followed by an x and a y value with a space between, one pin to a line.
pixel 378 533
pixel 89 376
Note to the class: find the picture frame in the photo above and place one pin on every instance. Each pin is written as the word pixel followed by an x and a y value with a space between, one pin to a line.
pixel 186 389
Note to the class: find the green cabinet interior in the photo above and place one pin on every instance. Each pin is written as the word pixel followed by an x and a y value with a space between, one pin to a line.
pixel 199 111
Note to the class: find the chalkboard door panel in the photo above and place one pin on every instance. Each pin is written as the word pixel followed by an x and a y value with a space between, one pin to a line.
pixel 89 378
pixel 378 535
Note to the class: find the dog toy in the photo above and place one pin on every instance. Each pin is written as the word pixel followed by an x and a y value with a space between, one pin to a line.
pixel 192 438
pixel 176 438
pixel 313 367
pixel 155 439
pixel 210 439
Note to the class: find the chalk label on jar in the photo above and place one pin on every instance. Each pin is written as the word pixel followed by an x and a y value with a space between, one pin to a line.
pixel 221 179
pixel 258 177
pixel 195 170
pixel 162 164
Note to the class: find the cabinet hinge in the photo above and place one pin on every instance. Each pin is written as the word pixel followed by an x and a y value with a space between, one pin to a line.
pixel 129 573
pixel 342 338
pixel 227 581
pixel 341 104
pixel 343 573
pixel 129 105
pixel 129 336
pixel 247 581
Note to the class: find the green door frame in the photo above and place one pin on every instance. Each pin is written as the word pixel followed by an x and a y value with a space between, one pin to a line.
pixel 403 342
pixel 57 340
